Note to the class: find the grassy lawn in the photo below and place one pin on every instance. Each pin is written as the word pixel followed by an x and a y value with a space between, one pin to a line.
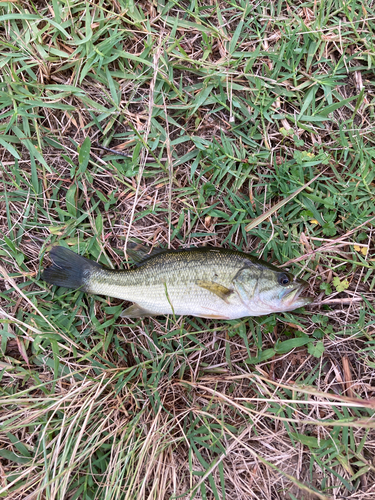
pixel 177 124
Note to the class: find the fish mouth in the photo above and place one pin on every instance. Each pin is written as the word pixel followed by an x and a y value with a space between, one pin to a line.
pixel 292 298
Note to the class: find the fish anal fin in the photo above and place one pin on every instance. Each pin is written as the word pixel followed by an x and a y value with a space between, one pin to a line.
pixel 136 311
pixel 220 290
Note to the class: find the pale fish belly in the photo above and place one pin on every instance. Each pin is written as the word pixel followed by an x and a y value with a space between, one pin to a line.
pixel 177 299
pixel 194 301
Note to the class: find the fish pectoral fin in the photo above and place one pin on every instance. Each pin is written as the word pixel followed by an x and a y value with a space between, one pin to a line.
pixel 220 290
pixel 136 311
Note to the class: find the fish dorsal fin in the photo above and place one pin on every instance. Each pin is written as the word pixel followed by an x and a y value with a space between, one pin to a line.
pixel 139 252
pixel 136 311
pixel 220 290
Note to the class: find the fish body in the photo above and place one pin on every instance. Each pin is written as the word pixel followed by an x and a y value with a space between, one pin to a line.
pixel 206 282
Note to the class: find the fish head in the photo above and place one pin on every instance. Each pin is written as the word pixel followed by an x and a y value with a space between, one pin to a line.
pixel 266 290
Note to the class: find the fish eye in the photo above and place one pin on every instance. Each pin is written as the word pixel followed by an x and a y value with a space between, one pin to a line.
pixel 283 279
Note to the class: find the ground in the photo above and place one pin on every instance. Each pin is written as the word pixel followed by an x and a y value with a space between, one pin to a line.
pixel 246 125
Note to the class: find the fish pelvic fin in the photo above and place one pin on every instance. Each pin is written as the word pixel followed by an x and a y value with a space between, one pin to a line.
pixel 68 269
pixel 214 316
pixel 136 311
pixel 220 290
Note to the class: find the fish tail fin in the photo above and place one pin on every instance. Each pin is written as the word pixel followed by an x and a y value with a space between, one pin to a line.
pixel 68 269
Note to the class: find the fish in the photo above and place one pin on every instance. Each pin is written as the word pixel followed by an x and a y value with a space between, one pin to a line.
pixel 207 282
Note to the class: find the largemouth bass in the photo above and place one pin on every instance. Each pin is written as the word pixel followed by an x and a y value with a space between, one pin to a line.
pixel 206 282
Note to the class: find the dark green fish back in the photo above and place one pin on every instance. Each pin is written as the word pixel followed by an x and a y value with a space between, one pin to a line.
pixel 181 266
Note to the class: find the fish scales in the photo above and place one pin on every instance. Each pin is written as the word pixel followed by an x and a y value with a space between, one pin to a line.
pixel 169 280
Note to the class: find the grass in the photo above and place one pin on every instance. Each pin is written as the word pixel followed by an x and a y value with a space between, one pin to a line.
pixel 224 110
